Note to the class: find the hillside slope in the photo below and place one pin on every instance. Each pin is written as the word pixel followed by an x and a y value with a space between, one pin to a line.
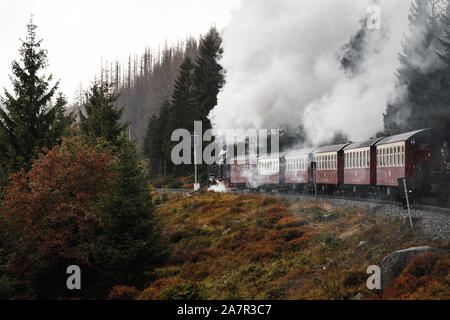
pixel 228 246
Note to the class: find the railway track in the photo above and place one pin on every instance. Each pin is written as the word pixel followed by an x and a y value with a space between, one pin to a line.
pixel 290 196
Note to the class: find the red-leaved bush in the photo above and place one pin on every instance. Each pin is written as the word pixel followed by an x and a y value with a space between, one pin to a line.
pixel 123 293
pixel 50 212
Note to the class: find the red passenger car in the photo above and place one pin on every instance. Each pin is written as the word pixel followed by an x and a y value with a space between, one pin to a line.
pixel 243 172
pixel 271 170
pixel 329 165
pixel 298 172
pixel 402 156
pixel 360 165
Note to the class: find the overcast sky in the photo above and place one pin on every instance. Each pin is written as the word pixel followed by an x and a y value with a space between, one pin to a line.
pixel 79 33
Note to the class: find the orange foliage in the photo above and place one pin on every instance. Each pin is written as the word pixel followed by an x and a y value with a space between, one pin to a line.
pixel 50 211
pixel 123 293
pixel 425 277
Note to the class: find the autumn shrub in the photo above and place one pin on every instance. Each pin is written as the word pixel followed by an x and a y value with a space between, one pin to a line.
pixel 123 293
pixel 51 215
pixel 154 291
pixel 425 277
pixel 182 290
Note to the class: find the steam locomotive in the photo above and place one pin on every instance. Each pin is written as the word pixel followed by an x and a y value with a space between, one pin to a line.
pixel 376 168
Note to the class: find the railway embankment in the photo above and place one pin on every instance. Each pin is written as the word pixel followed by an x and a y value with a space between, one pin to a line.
pixel 250 246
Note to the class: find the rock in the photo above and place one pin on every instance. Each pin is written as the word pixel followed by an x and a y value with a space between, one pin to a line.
pixel 362 243
pixel 393 264
pixel 358 296
pixel 226 231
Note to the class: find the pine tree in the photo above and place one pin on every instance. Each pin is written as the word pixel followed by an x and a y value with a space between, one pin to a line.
pixel 208 77
pixel 156 143
pixel 418 76
pixel 442 120
pixel 102 119
pixel 28 123
pixel 182 109
pixel 129 244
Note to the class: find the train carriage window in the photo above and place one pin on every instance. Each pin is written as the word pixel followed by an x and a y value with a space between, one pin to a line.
pixel 364 159
pixel 378 157
pixel 383 161
pixel 352 161
pixel 359 159
pixel 403 155
pixel 395 157
pixel 387 157
pixel 390 156
pixel 345 161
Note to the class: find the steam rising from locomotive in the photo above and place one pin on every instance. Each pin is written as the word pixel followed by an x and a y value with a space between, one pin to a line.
pixel 285 62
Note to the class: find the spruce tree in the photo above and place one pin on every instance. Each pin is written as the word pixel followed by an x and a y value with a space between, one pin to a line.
pixel 208 76
pixel 442 121
pixel 418 76
pixel 129 243
pixel 27 122
pixel 182 108
pixel 157 141
pixel 102 117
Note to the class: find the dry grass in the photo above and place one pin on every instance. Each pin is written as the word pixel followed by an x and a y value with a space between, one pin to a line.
pixel 228 246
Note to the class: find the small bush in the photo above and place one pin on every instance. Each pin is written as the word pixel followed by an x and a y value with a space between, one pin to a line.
pixel 182 291
pixel 123 293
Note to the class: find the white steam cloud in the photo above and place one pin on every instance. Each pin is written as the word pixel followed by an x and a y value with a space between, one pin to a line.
pixel 282 59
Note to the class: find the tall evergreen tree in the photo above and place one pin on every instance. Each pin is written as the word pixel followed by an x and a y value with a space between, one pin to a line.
pixel 102 119
pixel 129 244
pixel 29 121
pixel 208 77
pixel 418 77
pixel 442 121
pixel 182 108
pixel 157 141
pixel 181 112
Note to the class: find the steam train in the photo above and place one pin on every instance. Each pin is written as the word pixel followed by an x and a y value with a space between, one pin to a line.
pixel 375 168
